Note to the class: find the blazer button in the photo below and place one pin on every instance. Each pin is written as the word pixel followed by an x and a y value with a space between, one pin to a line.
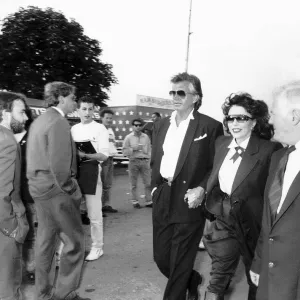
pixel 184 182
pixel 271 265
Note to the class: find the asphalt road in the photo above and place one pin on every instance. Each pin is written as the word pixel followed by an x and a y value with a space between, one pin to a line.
pixel 127 271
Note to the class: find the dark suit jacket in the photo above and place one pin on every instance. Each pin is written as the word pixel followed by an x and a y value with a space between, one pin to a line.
pixel 277 256
pixel 193 166
pixel 248 187
pixel 51 157
pixel 12 211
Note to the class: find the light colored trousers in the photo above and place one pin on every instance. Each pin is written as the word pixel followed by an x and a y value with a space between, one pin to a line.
pixel 94 209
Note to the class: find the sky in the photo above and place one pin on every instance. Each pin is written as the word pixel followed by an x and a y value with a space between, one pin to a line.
pixel 235 45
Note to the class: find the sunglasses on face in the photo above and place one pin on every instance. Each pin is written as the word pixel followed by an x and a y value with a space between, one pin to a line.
pixel 238 118
pixel 179 93
pixel 137 125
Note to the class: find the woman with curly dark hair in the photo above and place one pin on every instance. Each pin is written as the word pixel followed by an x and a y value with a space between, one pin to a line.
pixel 235 190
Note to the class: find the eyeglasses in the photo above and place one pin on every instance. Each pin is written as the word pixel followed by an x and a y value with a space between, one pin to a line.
pixel 179 93
pixel 137 125
pixel 238 118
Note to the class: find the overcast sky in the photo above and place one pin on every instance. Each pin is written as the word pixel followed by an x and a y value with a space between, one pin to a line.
pixel 236 45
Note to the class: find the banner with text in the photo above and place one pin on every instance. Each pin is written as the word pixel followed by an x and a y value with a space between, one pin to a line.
pixel 154 102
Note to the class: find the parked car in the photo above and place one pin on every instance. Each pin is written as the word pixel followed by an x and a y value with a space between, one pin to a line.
pixel 120 158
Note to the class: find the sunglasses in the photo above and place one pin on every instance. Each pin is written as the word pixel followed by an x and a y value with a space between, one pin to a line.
pixel 238 118
pixel 179 93
pixel 137 125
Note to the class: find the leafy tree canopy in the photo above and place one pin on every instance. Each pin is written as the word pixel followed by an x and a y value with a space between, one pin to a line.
pixel 39 46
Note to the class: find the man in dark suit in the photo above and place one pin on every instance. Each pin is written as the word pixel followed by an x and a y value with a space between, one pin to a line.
pixel 182 158
pixel 51 172
pixel 275 268
pixel 13 223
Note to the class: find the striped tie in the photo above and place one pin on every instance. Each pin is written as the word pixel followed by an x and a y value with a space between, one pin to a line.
pixel 275 191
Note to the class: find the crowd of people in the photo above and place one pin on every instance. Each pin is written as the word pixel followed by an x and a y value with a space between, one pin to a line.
pixel 238 192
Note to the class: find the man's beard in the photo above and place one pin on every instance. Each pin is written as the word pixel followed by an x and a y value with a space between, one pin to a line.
pixel 16 126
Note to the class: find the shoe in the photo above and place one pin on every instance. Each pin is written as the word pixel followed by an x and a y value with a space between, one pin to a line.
pixel 94 254
pixel 201 246
pixel 104 215
pixel 136 205
pixel 149 204
pixel 196 280
pixel 108 208
pixel 212 296
pixel 85 219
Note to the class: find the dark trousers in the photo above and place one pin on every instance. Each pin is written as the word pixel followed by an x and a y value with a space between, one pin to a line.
pixel 174 245
pixel 225 252
pixel 10 268
pixel 107 178
pixel 58 219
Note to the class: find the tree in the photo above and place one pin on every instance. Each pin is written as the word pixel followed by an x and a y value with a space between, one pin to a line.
pixel 39 46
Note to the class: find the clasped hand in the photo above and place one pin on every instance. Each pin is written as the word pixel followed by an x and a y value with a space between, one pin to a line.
pixel 194 197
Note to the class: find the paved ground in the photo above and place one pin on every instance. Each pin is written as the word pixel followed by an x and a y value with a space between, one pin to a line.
pixel 127 271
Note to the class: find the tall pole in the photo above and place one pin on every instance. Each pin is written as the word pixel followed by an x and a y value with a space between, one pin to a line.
pixel 188 40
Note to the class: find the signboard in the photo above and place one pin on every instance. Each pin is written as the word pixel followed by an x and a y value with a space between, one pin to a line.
pixel 36 111
pixel 154 102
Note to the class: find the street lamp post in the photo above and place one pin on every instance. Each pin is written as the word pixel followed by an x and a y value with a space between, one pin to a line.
pixel 188 40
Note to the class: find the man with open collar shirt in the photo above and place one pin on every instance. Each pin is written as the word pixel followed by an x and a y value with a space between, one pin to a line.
pixel 182 158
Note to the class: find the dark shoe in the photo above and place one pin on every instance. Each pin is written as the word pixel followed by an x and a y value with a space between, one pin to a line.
pixel 195 281
pixel 85 219
pixel 104 215
pixel 137 205
pixel 212 296
pixel 108 208
pixel 30 278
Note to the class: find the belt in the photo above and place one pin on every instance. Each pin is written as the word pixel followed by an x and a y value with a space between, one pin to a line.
pixel 142 158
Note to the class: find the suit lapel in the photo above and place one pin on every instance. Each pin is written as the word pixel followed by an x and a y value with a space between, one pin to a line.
pixel 247 164
pixel 220 155
pixel 189 137
pixel 293 192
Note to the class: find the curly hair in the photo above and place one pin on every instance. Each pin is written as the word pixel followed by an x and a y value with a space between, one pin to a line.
pixel 55 89
pixel 258 110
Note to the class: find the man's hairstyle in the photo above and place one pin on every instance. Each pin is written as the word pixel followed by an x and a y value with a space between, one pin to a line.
pixel 258 110
pixel 157 114
pixel 290 91
pixel 85 99
pixel 137 120
pixel 54 89
pixel 7 101
pixel 195 82
pixel 106 111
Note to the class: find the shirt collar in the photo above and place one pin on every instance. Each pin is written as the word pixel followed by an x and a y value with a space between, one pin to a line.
pixel 174 113
pixel 59 110
pixel 243 144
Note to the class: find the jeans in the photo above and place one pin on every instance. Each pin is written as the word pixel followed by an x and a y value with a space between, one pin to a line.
pixel 94 208
pixel 107 177
pixel 136 167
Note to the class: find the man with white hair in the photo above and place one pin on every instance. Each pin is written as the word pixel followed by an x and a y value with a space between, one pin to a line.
pixel 275 268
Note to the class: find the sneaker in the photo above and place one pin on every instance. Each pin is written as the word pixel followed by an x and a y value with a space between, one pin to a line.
pixel 149 204
pixel 108 208
pixel 94 254
pixel 136 205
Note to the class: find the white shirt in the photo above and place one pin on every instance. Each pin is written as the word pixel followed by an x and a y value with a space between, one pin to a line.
pixel 229 168
pixel 94 132
pixel 172 145
pixel 59 110
pixel 112 148
pixel 291 171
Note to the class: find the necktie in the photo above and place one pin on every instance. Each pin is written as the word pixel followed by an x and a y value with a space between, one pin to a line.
pixel 239 151
pixel 275 191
